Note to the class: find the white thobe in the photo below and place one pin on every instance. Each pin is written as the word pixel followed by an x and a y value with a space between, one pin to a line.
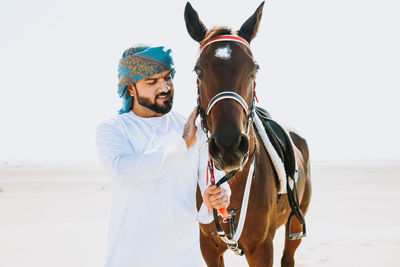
pixel 153 179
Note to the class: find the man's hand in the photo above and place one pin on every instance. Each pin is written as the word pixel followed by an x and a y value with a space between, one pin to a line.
pixel 215 197
pixel 189 132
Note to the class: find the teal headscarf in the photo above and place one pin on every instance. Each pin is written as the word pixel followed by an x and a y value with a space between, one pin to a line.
pixel 138 63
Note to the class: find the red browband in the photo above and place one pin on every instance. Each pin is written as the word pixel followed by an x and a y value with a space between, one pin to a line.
pixel 234 38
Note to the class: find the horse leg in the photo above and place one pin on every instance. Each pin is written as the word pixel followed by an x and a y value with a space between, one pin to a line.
pixel 261 254
pixel 295 227
pixel 291 246
pixel 212 253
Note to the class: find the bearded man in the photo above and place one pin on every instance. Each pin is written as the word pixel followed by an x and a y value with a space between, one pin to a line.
pixel 156 158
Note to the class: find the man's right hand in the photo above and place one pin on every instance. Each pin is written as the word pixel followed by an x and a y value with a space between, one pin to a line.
pixel 215 197
pixel 189 132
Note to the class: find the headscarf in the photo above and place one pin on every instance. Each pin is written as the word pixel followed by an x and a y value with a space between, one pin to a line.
pixel 137 63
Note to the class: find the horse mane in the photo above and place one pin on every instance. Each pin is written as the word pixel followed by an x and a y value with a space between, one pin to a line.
pixel 216 31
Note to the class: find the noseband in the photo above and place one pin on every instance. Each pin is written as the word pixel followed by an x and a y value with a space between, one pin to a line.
pixel 228 95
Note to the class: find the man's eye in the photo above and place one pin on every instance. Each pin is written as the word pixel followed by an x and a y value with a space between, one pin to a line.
pixel 152 82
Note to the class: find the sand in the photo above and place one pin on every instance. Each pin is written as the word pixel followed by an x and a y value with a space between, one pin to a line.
pixel 57 216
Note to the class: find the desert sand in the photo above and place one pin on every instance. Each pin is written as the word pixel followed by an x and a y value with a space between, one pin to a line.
pixel 57 216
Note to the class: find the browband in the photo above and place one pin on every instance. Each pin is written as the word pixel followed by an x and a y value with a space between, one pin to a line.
pixel 234 38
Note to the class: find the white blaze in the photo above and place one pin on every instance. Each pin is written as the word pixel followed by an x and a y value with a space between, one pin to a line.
pixel 223 52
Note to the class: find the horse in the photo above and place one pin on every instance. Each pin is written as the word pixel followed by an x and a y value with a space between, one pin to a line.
pixel 227 67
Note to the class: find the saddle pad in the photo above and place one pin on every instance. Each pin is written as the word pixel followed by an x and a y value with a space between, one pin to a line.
pixel 279 147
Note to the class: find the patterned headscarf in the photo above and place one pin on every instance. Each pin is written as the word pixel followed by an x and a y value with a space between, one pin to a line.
pixel 138 63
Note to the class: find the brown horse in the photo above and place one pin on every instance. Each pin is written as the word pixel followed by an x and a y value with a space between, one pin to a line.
pixel 228 66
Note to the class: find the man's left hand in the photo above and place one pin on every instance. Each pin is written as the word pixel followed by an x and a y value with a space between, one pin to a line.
pixel 189 132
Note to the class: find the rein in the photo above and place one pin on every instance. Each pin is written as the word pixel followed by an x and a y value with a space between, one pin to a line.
pixel 231 240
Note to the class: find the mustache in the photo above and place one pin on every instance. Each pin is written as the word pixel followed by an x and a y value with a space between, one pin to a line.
pixel 164 93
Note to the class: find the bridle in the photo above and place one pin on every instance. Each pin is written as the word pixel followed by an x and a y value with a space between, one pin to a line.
pixel 226 94
pixel 231 240
pixel 221 96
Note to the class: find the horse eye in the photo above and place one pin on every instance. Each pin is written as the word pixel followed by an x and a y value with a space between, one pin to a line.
pixel 198 71
pixel 253 75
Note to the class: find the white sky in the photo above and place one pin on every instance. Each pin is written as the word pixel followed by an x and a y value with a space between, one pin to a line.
pixel 330 69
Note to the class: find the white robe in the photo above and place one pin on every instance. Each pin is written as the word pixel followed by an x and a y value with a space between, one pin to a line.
pixel 153 179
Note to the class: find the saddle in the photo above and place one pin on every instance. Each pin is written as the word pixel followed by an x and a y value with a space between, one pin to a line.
pixel 282 143
pixel 279 139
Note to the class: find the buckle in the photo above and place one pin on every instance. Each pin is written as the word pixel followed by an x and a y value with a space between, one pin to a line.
pixel 235 248
pixel 226 216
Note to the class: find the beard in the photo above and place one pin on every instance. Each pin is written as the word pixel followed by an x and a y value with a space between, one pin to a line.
pixel 163 108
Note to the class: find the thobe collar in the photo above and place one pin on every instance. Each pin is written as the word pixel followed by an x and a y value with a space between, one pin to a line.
pixel 158 124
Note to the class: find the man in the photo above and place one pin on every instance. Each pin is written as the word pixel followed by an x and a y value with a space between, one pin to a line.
pixel 156 159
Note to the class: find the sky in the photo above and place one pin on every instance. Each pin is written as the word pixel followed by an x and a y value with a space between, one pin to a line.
pixel 329 69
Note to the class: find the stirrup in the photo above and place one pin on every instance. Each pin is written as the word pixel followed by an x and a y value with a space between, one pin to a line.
pixel 294 236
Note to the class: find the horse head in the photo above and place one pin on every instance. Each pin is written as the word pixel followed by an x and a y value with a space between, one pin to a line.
pixel 226 78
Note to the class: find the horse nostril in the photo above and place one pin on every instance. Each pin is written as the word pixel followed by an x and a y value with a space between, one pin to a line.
pixel 243 144
pixel 213 147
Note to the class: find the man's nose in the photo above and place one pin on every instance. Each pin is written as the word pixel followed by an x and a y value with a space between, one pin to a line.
pixel 165 86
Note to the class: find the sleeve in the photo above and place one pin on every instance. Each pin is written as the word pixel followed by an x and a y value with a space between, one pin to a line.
pixel 204 216
pixel 130 167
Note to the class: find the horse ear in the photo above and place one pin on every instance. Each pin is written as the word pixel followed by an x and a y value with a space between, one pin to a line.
pixel 249 29
pixel 194 26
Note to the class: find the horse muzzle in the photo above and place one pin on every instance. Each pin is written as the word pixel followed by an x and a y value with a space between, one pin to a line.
pixel 228 151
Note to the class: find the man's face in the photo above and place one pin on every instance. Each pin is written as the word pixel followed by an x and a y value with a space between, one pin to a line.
pixel 154 93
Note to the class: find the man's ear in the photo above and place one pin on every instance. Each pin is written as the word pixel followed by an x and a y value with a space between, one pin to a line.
pixel 131 90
